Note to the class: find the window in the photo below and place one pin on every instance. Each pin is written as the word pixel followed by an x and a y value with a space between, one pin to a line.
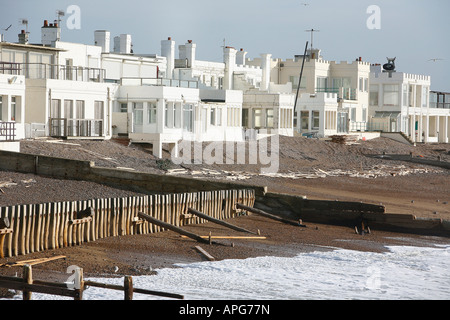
pixel 13 108
pixel 245 118
pixel 68 109
pixel 363 84
pixel 219 117
pixel 257 118
pixel 353 114
pixel 405 91
pixel 294 81
pixel 1 108
pixel 424 97
pixel 151 113
pixel 364 114
pixel 391 95
pixel 322 83
pixel 373 95
pixel 138 113
pixel 98 110
pixel 316 120
pixel 269 118
pixel 366 84
pixel 56 108
pixel 188 117
pixel 80 109
pixel 304 116
pixel 213 116
pixel 123 107
pixel 177 115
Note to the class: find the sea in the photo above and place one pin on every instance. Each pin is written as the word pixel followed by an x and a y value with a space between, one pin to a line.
pixel 400 273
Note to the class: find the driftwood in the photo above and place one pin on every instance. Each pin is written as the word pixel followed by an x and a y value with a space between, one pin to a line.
pixel 31 262
pixel 268 215
pixel 217 221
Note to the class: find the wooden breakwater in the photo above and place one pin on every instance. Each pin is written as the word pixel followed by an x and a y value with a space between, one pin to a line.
pixel 40 227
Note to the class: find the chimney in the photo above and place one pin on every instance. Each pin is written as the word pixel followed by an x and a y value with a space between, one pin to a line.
pixel 229 58
pixel 168 51
pixel 23 37
pixel 240 57
pixel 266 68
pixel 122 43
pixel 102 39
pixel 50 33
pixel 187 52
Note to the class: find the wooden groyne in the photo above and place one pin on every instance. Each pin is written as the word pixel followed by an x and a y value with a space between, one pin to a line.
pixel 40 227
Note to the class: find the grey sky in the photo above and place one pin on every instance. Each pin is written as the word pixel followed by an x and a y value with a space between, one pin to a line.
pixel 414 31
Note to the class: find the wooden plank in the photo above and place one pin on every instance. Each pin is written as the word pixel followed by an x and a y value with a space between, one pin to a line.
pixel 171 227
pixel 217 221
pixel 233 237
pixel 205 253
pixel 268 215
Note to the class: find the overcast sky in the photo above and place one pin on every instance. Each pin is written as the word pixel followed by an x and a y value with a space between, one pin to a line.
pixel 413 31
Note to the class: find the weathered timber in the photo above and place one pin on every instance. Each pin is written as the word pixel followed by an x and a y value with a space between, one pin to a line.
pixel 205 253
pixel 234 237
pixel 171 227
pixel 31 262
pixel 268 215
pixel 217 221
pixel 135 290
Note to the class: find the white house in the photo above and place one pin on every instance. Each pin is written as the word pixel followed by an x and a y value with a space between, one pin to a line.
pixel 348 81
pixel 400 102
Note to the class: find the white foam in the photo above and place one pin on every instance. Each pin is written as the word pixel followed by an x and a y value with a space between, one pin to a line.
pixel 402 273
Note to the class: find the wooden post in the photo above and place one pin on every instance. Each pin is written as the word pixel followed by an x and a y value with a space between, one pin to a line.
pixel 128 287
pixel 79 284
pixel 27 278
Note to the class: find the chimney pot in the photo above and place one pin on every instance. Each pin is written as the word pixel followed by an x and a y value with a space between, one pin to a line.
pixel 45 23
pixel 189 41
pixel 169 38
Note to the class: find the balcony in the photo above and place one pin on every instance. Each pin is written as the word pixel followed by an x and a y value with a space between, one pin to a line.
pixel 7 131
pixel 53 71
pixel 159 82
pixel 342 93
pixel 63 128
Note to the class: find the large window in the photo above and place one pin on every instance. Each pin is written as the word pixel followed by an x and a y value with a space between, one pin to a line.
pixel 322 84
pixel 1 108
pixel 424 97
pixel 294 81
pixel 245 118
pixel 188 117
pixel 391 95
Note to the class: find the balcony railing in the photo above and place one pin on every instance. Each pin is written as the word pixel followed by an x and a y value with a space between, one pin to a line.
pixel 53 71
pixel 342 93
pixel 62 127
pixel 7 131
pixel 159 82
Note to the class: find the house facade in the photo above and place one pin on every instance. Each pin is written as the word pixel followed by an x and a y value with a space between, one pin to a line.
pixel 403 102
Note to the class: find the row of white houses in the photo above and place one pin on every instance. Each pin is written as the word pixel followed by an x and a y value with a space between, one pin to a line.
pixel 72 90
